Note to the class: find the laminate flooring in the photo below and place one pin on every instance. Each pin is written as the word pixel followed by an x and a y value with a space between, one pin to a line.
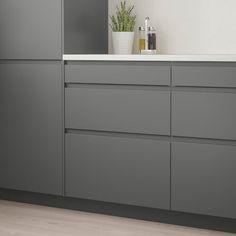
pixel 18 219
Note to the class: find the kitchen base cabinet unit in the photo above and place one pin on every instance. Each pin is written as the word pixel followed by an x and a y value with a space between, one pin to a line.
pixel 31 126
pixel 188 125
pixel 204 115
pixel 117 118
pixel 118 169
pixel 203 179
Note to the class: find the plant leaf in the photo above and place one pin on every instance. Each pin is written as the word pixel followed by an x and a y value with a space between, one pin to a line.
pixel 124 19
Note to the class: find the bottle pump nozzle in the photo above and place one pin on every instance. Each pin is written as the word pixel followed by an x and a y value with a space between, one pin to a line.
pixel 147 19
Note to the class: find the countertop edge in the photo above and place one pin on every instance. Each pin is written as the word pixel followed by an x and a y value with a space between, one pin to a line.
pixel 161 58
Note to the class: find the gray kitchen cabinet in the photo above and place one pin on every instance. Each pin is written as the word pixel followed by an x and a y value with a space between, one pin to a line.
pixel 204 114
pixel 31 126
pixel 203 179
pixel 120 169
pixel 133 73
pixel 204 74
pixel 85 26
pixel 118 109
pixel 31 29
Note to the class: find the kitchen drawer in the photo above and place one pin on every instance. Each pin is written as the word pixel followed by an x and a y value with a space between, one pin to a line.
pixel 118 109
pixel 203 179
pixel 205 74
pixel 125 170
pixel 204 115
pixel 139 73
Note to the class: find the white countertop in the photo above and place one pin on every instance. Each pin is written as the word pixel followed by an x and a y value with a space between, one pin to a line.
pixel 174 58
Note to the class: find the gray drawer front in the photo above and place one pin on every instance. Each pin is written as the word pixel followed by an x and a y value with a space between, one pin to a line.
pixel 118 73
pixel 118 110
pixel 204 115
pixel 205 75
pixel 203 179
pixel 122 170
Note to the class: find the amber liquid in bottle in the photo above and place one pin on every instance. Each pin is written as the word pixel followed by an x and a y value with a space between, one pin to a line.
pixel 141 45
pixel 142 40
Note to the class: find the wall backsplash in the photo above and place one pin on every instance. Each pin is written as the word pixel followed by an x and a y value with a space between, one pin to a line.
pixel 188 26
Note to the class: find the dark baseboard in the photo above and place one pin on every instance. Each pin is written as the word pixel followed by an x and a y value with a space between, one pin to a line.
pixel 142 213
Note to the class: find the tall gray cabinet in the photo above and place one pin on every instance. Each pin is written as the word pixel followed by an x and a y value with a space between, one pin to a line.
pixel 31 29
pixel 31 95
pixel 31 126
pixel 34 34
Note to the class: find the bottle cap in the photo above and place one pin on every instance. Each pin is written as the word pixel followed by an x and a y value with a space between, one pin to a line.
pixel 151 28
pixel 141 28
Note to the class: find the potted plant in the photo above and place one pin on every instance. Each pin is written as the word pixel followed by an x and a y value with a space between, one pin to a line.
pixel 122 25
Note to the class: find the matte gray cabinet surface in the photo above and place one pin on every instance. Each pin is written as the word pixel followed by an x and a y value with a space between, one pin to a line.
pixel 203 179
pixel 137 73
pixel 31 126
pixel 135 169
pixel 118 109
pixel 204 114
pixel 31 29
pixel 86 26
pixel 118 169
pixel 204 74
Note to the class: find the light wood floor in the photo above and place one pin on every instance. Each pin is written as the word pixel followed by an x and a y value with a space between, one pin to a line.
pixel 17 219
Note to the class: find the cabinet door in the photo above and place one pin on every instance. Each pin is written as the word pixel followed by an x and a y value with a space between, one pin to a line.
pixel 203 179
pixel 31 127
pixel 204 115
pixel 118 169
pixel 30 29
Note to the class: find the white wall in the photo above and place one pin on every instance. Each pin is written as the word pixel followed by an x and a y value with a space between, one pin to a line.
pixel 189 26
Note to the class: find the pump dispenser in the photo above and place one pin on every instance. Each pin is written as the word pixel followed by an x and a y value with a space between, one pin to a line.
pixel 147 34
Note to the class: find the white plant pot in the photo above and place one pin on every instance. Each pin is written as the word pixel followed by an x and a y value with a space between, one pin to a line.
pixel 123 42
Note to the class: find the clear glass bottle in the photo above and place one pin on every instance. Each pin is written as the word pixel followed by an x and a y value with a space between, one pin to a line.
pixel 152 38
pixel 142 40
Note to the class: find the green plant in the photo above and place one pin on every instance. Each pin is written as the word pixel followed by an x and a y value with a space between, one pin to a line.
pixel 124 20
